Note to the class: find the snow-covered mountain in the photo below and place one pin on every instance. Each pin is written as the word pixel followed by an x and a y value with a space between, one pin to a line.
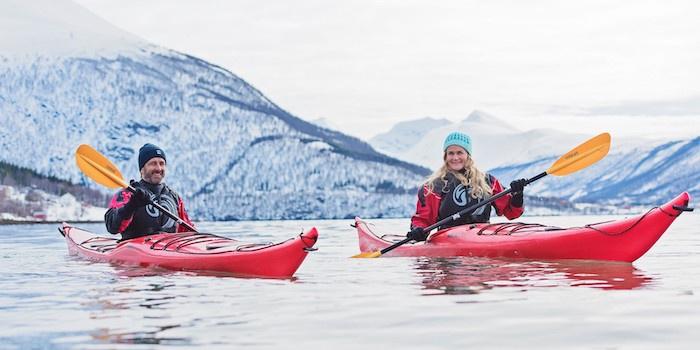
pixel 59 28
pixel 495 142
pixel 649 175
pixel 637 170
pixel 232 153
pixel 398 141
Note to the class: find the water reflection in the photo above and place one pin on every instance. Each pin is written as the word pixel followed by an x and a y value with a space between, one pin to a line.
pixel 142 337
pixel 462 275
pixel 127 271
pixel 136 308
pixel 165 308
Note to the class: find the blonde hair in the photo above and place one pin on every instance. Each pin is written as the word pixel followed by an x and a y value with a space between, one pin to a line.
pixel 470 176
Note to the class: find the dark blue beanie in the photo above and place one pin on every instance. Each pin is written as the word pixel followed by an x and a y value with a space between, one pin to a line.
pixel 149 151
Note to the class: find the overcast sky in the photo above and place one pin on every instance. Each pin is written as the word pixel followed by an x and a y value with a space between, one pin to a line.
pixel 365 65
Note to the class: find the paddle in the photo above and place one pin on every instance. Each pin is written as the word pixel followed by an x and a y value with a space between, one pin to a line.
pixel 578 158
pixel 97 167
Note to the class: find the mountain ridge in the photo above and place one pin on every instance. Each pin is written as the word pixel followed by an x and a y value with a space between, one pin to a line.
pixel 121 103
pixel 232 152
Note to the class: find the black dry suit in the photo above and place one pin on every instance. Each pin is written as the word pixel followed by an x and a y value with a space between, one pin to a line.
pixel 454 197
pixel 132 221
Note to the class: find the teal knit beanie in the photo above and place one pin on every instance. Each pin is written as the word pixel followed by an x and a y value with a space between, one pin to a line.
pixel 458 139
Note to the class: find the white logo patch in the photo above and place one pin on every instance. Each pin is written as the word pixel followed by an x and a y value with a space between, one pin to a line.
pixel 459 195
pixel 152 211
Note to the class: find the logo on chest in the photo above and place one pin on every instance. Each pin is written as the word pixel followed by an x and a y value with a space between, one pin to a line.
pixel 459 195
pixel 152 211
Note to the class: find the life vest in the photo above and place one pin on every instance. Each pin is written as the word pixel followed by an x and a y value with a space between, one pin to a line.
pixel 148 219
pixel 454 197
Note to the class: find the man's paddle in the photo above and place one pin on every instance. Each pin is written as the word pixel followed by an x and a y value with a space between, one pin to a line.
pixel 578 158
pixel 99 168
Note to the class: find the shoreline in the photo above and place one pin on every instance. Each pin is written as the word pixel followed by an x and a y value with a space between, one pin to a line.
pixel 34 222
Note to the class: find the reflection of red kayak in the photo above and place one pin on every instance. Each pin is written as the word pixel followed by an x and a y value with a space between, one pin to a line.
pixel 195 252
pixel 463 275
pixel 619 240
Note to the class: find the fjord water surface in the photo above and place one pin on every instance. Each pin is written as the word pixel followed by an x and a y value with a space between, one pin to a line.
pixel 51 300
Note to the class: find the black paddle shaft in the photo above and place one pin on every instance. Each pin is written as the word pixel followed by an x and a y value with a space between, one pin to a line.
pixel 461 213
pixel 166 212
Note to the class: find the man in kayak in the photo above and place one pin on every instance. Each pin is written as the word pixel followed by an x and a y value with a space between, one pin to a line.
pixel 458 184
pixel 131 214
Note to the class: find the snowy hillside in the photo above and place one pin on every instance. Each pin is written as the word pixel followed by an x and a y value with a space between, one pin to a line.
pixel 324 123
pixel 29 204
pixel 645 175
pixel 58 28
pixel 232 153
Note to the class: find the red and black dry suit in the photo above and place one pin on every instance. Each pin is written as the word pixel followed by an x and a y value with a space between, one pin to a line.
pixel 449 196
pixel 141 221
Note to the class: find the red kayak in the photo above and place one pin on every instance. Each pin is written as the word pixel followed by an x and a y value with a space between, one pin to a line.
pixel 195 252
pixel 619 240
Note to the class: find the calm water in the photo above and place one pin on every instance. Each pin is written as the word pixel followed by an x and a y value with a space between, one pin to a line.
pixel 51 300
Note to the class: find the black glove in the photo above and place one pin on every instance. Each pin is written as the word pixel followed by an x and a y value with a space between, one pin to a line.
pixel 517 200
pixel 139 198
pixel 518 185
pixel 417 234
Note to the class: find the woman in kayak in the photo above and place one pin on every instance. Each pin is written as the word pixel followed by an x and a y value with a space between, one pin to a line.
pixel 458 184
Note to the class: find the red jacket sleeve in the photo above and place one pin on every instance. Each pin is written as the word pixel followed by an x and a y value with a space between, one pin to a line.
pixel 427 210
pixel 182 213
pixel 116 218
pixel 502 205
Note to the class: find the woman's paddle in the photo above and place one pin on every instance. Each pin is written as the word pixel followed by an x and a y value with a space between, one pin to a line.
pixel 99 168
pixel 578 158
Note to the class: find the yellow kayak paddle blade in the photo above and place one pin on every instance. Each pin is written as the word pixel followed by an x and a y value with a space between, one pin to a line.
pixel 368 255
pixel 582 156
pixel 97 167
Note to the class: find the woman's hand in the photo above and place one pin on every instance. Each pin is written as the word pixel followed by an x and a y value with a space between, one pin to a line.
pixel 417 234
pixel 518 185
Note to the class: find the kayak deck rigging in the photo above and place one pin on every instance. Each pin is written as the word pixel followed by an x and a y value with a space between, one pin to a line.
pixel 624 239
pixel 195 252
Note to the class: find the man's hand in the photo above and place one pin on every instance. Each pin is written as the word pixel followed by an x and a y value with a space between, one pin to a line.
pixel 139 197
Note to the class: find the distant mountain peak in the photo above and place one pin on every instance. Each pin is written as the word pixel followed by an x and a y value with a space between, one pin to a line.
pixel 420 123
pixel 404 135
pixel 483 118
pixel 58 28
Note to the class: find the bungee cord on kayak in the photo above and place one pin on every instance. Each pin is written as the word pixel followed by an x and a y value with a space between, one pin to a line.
pixel 180 241
pixel 680 209
pixel 512 227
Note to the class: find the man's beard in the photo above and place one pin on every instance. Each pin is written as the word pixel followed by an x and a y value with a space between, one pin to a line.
pixel 149 177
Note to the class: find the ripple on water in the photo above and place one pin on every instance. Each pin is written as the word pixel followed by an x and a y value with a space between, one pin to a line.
pixel 51 300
